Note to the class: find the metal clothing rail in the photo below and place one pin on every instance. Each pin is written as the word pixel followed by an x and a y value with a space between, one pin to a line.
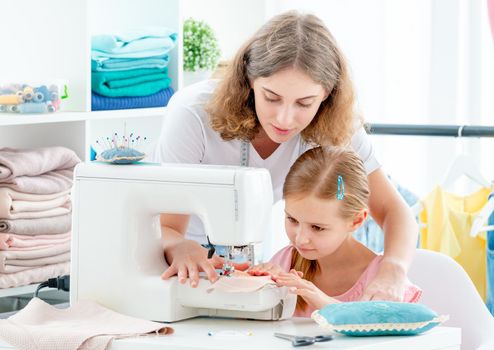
pixel 430 130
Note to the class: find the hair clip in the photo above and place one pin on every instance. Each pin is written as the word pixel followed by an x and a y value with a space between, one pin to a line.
pixel 341 189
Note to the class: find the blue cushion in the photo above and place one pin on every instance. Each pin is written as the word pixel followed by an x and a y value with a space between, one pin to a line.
pixel 370 318
pixel 121 155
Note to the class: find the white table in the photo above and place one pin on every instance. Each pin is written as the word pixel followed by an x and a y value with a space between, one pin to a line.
pixel 233 334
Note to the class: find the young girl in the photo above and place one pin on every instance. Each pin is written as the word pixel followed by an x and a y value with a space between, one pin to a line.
pixel 326 198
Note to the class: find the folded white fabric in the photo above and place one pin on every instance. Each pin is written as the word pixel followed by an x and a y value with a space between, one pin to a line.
pixel 9 195
pixel 16 205
pixel 33 275
pixel 84 325
pixel 241 284
pixel 34 210
pixel 42 226
pixel 19 260
pixel 18 265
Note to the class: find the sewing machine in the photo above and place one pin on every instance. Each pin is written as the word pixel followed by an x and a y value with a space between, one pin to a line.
pixel 117 256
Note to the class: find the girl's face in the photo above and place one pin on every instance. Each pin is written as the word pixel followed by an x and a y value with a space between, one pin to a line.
pixel 315 227
pixel 286 102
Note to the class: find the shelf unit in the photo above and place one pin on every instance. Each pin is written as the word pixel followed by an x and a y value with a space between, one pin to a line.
pixel 18 290
pixel 68 27
pixel 9 119
pixel 53 41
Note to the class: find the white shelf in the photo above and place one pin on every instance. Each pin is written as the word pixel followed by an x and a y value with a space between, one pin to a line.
pixel 77 128
pixel 7 119
pixel 8 292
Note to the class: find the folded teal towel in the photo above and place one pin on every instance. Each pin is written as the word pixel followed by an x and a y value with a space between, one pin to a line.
pixel 116 64
pixel 135 44
pixel 98 55
pixel 128 74
pixel 136 82
pixel 105 41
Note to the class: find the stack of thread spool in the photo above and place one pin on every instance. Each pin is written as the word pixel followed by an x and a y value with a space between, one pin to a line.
pixel 22 98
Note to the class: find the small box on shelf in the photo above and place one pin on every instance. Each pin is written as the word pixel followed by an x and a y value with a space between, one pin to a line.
pixel 29 97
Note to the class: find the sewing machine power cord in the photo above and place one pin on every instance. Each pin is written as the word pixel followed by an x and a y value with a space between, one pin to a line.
pixel 60 282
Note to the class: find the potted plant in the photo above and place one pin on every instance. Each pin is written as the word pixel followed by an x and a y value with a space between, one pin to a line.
pixel 201 51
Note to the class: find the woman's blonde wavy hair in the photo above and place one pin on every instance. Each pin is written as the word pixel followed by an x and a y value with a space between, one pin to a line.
pixel 288 40
pixel 316 173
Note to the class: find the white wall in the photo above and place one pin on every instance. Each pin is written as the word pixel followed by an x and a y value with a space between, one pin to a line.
pixel 413 62
pixel 233 21
pixel 45 29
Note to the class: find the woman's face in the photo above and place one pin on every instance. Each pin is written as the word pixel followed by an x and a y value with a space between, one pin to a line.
pixel 314 226
pixel 286 102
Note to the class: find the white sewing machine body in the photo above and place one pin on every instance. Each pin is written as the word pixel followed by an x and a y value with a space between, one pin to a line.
pixel 117 255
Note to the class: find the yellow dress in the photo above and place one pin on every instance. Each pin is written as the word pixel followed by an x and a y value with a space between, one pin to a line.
pixel 448 219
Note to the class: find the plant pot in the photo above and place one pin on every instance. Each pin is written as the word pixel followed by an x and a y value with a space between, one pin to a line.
pixel 197 76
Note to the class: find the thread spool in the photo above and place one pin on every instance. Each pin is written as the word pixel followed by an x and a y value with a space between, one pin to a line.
pixel 50 107
pixel 28 93
pixel 38 97
pixel 46 93
pixel 12 108
pixel 33 107
pixel 56 104
pixel 10 99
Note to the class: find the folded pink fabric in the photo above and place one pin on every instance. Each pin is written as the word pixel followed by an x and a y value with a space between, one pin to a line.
pixel 19 260
pixel 52 182
pixel 84 325
pixel 241 284
pixel 9 241
pixel 34 162
pixel 34 275
pixel 38 226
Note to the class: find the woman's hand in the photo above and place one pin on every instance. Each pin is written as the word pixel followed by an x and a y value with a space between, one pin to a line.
pixel 189 258
pixel 265 269
pixel 312 295
pixel 388 284
pixel 393 215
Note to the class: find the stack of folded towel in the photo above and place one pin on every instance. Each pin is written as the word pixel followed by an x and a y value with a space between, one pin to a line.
pixel 130 70
pixel 35 214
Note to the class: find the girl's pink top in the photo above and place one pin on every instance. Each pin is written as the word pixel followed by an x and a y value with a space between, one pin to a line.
pixel 283 258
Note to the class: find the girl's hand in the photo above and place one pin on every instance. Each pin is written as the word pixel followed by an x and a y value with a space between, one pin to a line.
pixel 388 284
pixel 266 269
pixel 312 295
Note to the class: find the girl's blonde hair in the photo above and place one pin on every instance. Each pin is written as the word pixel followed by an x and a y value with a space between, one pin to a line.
pixel 288 40
pixel 316 173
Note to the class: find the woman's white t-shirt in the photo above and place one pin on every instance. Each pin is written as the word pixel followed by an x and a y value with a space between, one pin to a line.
pixel 186 137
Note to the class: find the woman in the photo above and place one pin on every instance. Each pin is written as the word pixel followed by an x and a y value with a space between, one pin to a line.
pixel 287 90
